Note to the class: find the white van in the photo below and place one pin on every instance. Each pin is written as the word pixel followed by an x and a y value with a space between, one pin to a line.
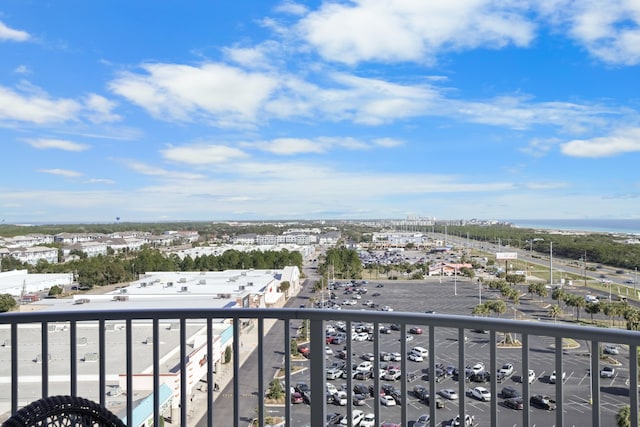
pixel 591 298
pixel 421 351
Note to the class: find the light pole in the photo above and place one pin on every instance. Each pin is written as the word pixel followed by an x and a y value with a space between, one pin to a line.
pixel 479 291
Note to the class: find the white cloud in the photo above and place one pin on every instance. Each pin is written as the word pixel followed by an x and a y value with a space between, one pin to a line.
pixel 11 34
pixel 413 30
pixel 144 169
pixel 100 181
pixel 58 144
pixel 35 108
pixel 22 69
pixel 291 8
pixel 291 146
pixel 61 172
pixel 211 91
pixel 610 32
pixel 202 154
pixel 99 109
pixel 620 142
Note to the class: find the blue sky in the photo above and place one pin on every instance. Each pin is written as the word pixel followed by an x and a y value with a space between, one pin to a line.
pixel 242 110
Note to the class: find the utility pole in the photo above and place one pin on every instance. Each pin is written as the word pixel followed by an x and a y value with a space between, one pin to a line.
pixel 551 263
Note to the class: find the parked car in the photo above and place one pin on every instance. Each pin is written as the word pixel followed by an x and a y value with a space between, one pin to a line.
pixel 422 421
pixel 333 418
pixel 531 375
pixel 480 377
pixel 415 331
pixel 477 368
pixel 456 422
pixel 448 393
pixel 480 393
pixel 510 392
pixel 340 398
pixel 359 399
pixel 297 397
pixel 542 402
pixel 393 375
pixel 607 372
pixel 387 400
pixel 553 376
pixel 507 369
pixel 357 417
pixel 334 373
pixel 368 420
pixel 514 403
pixel 610 349
pixel 415 357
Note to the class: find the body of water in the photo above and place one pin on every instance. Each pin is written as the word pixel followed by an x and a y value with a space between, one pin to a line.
pixel 619 226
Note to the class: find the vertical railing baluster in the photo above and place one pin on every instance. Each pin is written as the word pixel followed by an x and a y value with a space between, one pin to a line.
pixel 403 371
pixel 14 367
pixel 260 370
pixel 318 379
pixel 156 372
pixel 287 371
pixel 184 404
pixel 559 382
pixel 73 356
pixel 633 384
pixel 102 363
pixel 432 370
pixel 44 351
pixel 376 370
pixel 129 355
pixel 525 380
pixel 210 378
pixel 348 368
pixel 493 370
pixel 236 372
pixel 594 385
pixel 461 375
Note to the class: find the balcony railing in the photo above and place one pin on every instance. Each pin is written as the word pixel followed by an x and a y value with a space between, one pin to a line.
pixel 45 353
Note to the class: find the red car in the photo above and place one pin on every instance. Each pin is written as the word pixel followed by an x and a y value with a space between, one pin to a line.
pixel 297 397
pixel 416 331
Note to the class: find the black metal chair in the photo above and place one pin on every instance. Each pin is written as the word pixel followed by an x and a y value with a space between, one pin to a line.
pixel 63 411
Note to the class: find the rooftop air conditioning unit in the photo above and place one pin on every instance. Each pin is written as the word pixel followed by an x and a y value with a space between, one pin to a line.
pixel 183 280
pixel 123 290
pixel 169 284
pixel 241 287
pixel 184 289
pixel 203 281
pixel 249 283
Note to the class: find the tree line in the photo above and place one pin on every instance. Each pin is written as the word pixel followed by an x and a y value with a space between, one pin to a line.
pixel 118 268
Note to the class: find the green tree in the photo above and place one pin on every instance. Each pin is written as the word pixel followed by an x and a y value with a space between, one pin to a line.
pixel 55 290
pixel 7 303
pixel 481 310
pixel 227 354
pixel 592 308
pixel 623 417
pixel 559 295
pixel 284 288
pixel 632 316
pixel 554 312
pixel 275 389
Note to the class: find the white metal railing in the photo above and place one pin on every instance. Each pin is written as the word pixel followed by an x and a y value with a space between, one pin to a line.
pixel 12 369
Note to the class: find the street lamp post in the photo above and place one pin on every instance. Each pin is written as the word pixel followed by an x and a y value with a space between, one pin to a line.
pixel 479 291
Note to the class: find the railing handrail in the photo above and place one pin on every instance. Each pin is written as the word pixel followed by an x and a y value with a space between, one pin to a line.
pixel 613 335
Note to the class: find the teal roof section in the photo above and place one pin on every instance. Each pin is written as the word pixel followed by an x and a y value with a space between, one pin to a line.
pixel 144 410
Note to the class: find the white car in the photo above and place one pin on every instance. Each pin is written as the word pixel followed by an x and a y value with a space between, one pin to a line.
pixel 365 366
pixel 328 351
pixel 357 415
pixel 369 420
pixel 340 398
pixel 531 375
pixel 422 421
pixel 387 400
pixel 607 372
pixel 477 368
pixel 553 377
pixel 331 389
pixel 448 393
pixel 481 393
pixel 468 421
pixel 361 336
pixel 392 375
pixel 507 369
pixel 386 308
pixel 396 357
pixel 415 357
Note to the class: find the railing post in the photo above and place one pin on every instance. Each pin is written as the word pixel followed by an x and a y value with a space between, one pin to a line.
pixel 559 383
pixel 594 383
pixel 316 346
pixel 633 384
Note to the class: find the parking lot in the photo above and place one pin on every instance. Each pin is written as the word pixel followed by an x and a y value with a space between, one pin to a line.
pixel 459 297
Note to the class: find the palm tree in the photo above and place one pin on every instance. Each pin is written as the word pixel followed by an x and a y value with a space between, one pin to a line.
pixel 554 312
pixel 623 417
pixel 592 308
